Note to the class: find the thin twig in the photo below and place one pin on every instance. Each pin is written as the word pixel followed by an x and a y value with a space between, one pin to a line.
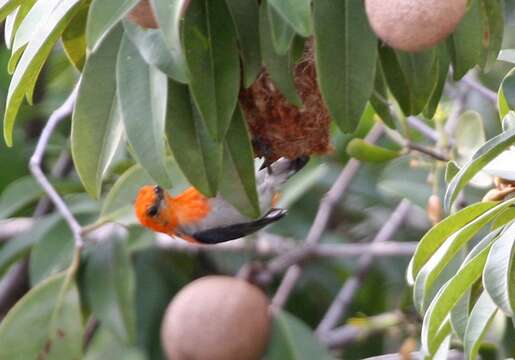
pixel 452 355
pixel 474 84
pixel 325 210
pixel 423 128
pixel 342 301
pixel 427 151
pixel 36 160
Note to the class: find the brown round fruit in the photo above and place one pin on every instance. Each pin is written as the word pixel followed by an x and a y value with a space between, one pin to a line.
pixel 414 25
pixel 143 15
pixel 216 318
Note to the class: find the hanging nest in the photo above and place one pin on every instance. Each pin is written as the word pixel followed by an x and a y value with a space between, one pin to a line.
pixel 280 129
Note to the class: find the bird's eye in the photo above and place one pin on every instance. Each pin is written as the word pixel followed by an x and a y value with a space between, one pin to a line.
pixel 152 211
pixel 158 190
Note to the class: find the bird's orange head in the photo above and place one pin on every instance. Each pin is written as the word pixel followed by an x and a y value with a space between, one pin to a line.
pixel 153 209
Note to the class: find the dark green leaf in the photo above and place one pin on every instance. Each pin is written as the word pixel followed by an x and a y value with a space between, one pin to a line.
pixel 32 60
pixel 212 56
pixel 364 151
pixel 411 77
pixel 245 16
pixel 291 339
pixel 481 157
pixel 238 183
pixel 103 16
pixel 105 345
pixel 109 284
pixel 279 67
pixel 345 54
pixel 142 93
pixel 151 46
pixel 493 29
pixel 169 15
pixel 96 124
pixel 198 156
pixel 282 32
pixel 297 13
pixel 443 69
pixel 466 43
pixel 46 322
pixel 379 98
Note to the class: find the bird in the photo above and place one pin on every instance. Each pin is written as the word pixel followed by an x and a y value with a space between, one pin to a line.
pixel 199 219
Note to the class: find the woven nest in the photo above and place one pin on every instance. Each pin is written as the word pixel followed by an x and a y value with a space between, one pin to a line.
pixel 280 129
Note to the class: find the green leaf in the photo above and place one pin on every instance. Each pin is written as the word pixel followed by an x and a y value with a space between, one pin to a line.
pixel 32 60
pixel 493 30
pixel 13 21
pixel 479 321
pixel 142 93
pixel 26 190
pixel 279 67
pixel 443 69
pixel 109 283
pixel 151 46
pixel 282 32
pixel 118 204
pixel 447 251
pixel 364 151
pixel 470 134
pixel 506 94
pixel 169 15
pixel 245 17
pixel 7 7
pixel 411 77
pixel 448 297
pixel 74 38
pixel 497 279
pixel 105 345
pixel 297 13
pixel 435 237
pixel 379 98
pixel 96 123
pixel 103 16
pixel 451 170
pixel 466 43
pixel 345 55
pixel 481 157
pixel 238 183
pixel 46 322
pixel 291 339
pixel 212 55
pixel 198 156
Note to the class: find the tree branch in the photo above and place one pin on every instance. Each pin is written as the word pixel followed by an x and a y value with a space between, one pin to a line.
pixel 342 301
pixel 427 151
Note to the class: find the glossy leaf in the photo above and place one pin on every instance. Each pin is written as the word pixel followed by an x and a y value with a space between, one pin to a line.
pixel 411 77
pixel 448 297
pixel 498 271
pixel 506 94
pixel 45 322
pixel 481 157
pixel 238 183
pixel 109 283
pixel 169 15
pixel 291 339
pixel 364 151
pixel 345 55
pixel 198 156
pixel 282 32
pixel 451 170
pixel 32 60
pixel 296 12
pixel 279 67
pixel 443 70
pixel 379 98
pixel 142 93
pixel 151 46
pixel 447 251
pixel 466 43
pixel 96 123
pixel 435 237
pixel 245 17
pixel 479 321
pixel 103 16
pixel 74 38
pixel 211 48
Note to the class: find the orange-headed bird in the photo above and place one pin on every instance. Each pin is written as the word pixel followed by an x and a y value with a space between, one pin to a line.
pixel 199 219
